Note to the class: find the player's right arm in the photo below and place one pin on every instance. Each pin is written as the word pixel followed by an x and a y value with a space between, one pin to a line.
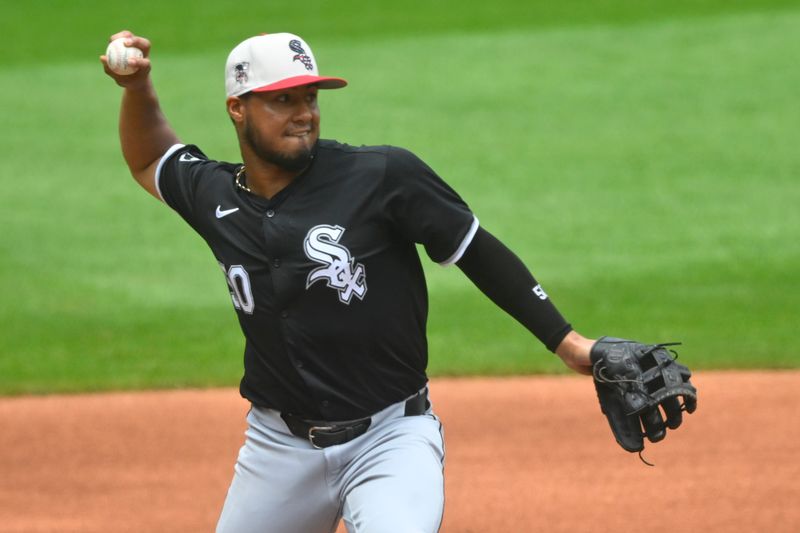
pixel 144 132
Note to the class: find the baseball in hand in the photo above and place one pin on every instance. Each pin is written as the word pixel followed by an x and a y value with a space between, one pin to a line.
pixel 118 55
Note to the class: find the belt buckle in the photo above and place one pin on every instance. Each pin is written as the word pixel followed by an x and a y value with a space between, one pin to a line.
pixel 311 431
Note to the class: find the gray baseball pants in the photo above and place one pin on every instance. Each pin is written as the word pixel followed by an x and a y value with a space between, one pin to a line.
pixel 388 480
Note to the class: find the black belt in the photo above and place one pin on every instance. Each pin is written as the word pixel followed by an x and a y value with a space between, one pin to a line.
pixel 322 434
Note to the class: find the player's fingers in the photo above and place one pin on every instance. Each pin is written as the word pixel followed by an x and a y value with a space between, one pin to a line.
pixel 131 39
pixel 653 425
pixel 672 408
pixel 129 80
pixel 121 34
pixel 142 63
pixel 142 43
pixel 104 61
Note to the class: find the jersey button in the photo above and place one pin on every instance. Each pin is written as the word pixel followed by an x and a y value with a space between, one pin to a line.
pixel 299 364
pixel 284 314
pixel 270 213
pixel 276 263
pixel 325 403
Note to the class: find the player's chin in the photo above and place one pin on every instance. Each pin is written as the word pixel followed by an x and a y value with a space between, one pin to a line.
pixel 293 158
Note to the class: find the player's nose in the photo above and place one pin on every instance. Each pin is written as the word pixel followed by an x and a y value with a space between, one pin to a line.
pixel 304 112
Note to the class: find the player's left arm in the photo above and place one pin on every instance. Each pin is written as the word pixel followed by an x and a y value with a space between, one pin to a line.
pixel 635 382
pixel 574 350
pixel 504 278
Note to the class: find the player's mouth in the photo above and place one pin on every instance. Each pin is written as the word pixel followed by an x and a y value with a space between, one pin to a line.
pixel 300 133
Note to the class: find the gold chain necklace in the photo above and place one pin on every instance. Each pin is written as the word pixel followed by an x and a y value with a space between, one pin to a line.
pixel 239 184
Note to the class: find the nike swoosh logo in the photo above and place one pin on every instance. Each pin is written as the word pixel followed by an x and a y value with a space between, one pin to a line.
pixel 187 158
pixel 221 213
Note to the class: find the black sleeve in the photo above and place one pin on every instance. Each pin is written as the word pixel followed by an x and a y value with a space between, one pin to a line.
pixel 424 209
pixel 502 276
pixel 178 176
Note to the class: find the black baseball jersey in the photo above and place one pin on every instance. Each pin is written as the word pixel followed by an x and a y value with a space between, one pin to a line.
pixel 325 276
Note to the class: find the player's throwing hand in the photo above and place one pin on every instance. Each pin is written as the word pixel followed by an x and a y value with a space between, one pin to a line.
pixel 142 64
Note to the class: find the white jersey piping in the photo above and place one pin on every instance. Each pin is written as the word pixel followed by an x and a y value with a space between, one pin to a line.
pixel 464 243
pixel 172 149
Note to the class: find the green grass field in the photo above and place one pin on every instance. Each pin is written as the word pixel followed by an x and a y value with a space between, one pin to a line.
pixel 640 156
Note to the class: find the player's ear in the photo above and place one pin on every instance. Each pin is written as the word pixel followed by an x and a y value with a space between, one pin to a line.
pixel 236 109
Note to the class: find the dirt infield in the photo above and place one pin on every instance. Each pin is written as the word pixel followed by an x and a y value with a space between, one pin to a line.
pixel 523 454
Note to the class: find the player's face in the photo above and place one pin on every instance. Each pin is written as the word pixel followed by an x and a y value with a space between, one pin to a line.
pixel 281 127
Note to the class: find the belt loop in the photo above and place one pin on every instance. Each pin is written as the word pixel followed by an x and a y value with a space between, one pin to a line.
pixel 417 404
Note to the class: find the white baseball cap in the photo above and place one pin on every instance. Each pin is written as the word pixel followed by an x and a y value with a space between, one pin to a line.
pixel 273 61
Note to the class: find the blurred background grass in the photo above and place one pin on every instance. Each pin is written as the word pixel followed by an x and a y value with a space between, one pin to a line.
pixel 640 156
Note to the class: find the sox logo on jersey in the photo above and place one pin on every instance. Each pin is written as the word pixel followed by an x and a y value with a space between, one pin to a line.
pixel 339 269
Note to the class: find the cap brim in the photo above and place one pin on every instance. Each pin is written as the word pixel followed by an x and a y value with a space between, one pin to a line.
pixel 296 81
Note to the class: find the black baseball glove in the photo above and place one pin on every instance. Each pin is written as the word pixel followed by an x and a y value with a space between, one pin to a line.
pixel 635 382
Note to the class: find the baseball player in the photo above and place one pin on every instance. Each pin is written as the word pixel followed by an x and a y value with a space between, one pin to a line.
pixel 316 242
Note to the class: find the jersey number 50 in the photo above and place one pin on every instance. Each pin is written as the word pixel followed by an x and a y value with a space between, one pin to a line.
pixel 239 285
